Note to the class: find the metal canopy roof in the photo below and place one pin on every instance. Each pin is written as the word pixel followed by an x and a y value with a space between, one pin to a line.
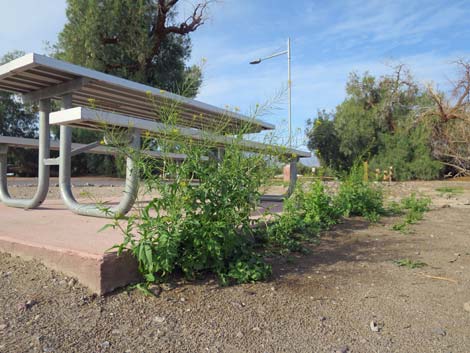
pixel 34 73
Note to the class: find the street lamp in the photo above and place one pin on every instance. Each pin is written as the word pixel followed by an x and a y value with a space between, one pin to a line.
pixel 289 85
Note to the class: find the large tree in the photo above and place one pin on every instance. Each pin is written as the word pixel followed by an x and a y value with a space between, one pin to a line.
pixel 377 122
pixel 449 121
pixel 140 40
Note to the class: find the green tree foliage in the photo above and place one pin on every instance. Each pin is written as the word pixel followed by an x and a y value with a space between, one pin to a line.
pixel 377 121
pixel 138 40
pixel 18 121
pixel 323 139
pixel 409 153
pixel 134 39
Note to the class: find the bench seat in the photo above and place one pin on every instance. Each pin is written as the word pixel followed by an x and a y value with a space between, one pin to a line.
pixel 30 143
pixel 96 119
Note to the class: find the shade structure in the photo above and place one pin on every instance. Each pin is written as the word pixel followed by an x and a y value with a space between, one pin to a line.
pixel 37 76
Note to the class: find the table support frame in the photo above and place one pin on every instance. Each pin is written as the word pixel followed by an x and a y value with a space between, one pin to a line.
pixel 43 168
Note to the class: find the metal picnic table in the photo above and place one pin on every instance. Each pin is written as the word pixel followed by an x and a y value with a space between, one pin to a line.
pixel 88 98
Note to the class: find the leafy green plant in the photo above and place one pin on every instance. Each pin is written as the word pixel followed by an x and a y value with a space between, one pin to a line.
pixel 305 214
pixel 450 190
pixel 409 263
pixel 414 208
pixel 196 213
pixel 357 197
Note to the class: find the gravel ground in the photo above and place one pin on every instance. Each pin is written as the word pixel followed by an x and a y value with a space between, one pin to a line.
pixel 321 302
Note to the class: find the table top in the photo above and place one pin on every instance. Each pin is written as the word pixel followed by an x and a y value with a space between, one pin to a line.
pixel 35 73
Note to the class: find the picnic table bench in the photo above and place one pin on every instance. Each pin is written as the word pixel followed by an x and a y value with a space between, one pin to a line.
pixel 90 99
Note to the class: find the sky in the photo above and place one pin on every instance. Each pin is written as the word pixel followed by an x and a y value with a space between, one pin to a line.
pixel 330 39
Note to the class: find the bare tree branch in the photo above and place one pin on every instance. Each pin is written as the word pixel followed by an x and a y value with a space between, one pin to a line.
pixel 449 120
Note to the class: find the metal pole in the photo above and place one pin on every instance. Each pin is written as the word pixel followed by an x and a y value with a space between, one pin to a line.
pixel 132 175
pixel 43 169
pixel 289 88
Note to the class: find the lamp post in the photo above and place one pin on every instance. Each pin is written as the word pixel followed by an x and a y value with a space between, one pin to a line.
pixel 289 85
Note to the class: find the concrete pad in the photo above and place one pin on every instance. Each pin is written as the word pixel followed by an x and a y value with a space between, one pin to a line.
pixel 71 244
pixel 67 243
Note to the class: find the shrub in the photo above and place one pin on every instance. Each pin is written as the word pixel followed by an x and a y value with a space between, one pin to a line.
pixel 414 209
pixel 305 214
pixel 357 197
pixel 198 217
pixel 409 153
pixel 198 227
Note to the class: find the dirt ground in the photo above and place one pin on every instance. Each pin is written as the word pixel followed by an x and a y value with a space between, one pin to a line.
pixel 321 302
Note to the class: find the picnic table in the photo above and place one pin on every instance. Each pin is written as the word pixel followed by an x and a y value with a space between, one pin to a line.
pixel 89 98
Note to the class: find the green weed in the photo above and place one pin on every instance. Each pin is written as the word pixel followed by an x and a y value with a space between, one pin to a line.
pixel 357 197
pixel 450 190
pixel 409 263
pixel 413 208
pixel 305 214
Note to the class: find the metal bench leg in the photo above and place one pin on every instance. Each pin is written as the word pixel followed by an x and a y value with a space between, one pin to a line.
pixel 292 177
pixel 290 189
pixel 93 210
pixel 43 169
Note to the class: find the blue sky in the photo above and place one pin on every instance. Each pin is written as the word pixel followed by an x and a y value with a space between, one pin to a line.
pixel 330 39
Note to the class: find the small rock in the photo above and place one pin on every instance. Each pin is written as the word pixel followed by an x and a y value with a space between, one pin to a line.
pixel 183 299
pixel 38 340
pixel 27 305
pixel 256 329
pixel 439 331
pixel 71 283
pixel 3 327
pixel 155 289
pixel 238 305
pixel 48 349
pixel 239 334
pixel 467 203
pixel 342 349
pixel 105 345
pixel 445 206
pixel 159 319
pixel 322 318
pixel 466 306
pixel 374 326
pixel 116 332
pixel 167 286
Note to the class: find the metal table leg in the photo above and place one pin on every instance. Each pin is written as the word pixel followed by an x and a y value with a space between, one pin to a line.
pixel 290 189
pixel 93 210
pixel 43 169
